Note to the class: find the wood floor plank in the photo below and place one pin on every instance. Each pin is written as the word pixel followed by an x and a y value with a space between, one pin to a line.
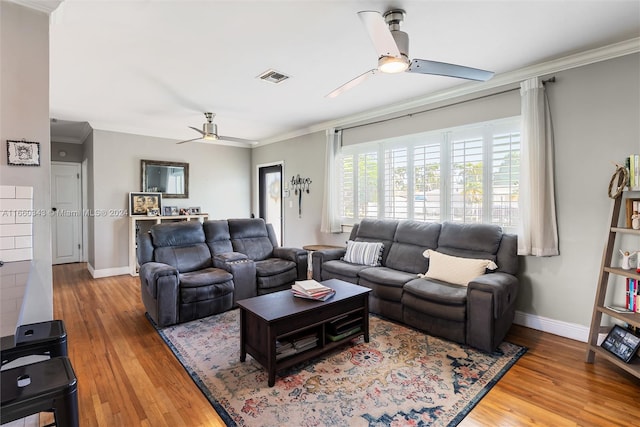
pixel 127 376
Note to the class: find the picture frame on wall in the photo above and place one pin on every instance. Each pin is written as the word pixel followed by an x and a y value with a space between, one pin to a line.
pixel 141 203
pixel 23 153
pixel 622 343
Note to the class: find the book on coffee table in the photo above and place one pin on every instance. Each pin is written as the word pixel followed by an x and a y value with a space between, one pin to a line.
pixel 311 289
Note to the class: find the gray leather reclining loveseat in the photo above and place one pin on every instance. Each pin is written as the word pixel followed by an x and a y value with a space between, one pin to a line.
pixel 478 313
pixel 190 270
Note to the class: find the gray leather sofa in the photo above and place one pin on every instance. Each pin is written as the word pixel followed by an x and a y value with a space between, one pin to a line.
pixel 479 314
pixel 190 270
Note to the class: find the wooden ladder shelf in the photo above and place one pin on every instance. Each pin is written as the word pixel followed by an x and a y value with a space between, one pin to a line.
pixel 599 309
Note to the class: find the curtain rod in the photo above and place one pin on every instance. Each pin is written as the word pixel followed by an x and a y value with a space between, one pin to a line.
pixel 549 80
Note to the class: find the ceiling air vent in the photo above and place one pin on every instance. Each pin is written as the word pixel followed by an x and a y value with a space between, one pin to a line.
pixel 273 76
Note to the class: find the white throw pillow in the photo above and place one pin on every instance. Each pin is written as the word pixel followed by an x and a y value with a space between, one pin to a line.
pixel 365 253
pixel 453 269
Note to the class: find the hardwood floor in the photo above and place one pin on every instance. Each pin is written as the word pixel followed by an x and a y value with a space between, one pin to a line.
pixel 127 376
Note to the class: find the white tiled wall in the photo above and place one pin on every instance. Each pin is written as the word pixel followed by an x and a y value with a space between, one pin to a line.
pixel 16 249
pixel 16 223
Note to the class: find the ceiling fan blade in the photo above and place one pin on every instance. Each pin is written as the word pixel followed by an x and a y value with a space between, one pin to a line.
pixel 197 130
pixel 189 140
pixel 423 66
pixel 352 83
pixel 240 140
pixel 379 33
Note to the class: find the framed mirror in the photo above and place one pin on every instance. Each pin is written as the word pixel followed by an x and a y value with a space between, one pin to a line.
pixel 169 178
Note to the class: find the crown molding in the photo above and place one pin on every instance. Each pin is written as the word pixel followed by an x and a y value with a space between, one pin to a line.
pixel 510 78
pixel 46 6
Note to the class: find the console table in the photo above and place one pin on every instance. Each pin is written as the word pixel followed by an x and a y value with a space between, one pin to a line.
pixel 142 223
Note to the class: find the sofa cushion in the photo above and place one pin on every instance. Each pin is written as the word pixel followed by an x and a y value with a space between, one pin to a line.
pixel 456 270
pixel 341 268
pixel 437 292
pixel 365 253
pixel 274 266
pixel 185 258
pixel 470 240
pixel 217 236
pixel 181 233
pixel 410 241
pixel 386 276
pixel 204 277
pixel 376 230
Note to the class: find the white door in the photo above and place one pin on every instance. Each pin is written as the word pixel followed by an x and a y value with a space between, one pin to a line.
pixel 66 220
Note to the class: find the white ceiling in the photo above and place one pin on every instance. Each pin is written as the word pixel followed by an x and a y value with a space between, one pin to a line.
pixel 153 67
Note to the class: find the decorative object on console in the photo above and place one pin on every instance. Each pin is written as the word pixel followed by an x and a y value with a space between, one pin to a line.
pixel 23 153
pixel 141 203
pixel 299 186
pixel 194 210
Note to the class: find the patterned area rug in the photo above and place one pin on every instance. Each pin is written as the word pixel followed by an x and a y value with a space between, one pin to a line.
pixel 401 377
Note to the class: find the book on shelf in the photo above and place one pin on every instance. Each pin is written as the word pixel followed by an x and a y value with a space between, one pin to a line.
pixel 633 166
pixel 312 289
pixel 345 334
pixel 631 295
pixel 344 323
pixel 618 309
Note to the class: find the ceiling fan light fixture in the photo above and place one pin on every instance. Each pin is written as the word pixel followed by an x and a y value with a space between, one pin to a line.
pixel 392 64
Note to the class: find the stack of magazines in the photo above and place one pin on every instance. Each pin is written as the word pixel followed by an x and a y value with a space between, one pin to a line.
pixel 312 289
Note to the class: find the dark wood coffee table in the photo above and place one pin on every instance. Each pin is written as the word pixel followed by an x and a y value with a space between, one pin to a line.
pixel 271 318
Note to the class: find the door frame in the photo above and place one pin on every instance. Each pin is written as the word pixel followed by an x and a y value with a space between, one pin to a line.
pixel 81 204
pixel 257 193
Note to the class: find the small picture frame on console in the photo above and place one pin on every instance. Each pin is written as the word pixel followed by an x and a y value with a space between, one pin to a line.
pixel 621 343
pixel 194 211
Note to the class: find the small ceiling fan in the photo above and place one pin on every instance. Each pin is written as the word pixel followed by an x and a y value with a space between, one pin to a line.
pixel 392 46
pixel 209 132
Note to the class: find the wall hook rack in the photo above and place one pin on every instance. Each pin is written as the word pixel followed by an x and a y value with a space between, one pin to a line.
pixel 300 185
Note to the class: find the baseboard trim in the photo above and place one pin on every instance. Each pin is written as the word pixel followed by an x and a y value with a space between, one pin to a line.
pixel 107 272
pixel 552 326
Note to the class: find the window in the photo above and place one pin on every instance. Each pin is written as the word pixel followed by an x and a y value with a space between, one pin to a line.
pixel 464 174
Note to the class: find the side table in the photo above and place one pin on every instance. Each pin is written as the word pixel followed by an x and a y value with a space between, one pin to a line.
pixel 310 249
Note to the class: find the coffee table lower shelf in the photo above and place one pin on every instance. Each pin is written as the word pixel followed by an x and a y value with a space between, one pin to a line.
pixel 266 319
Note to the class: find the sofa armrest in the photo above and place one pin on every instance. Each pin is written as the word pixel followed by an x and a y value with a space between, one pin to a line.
pixel 243 270
pixel 160 292
pixel 151 272
pixel 491 305
pixel 299 256
pixel 320 257
pixel 503 287
pixel 228 257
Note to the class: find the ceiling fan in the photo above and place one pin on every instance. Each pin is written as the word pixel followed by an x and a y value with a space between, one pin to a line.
pixel 209 132
pixel 392 46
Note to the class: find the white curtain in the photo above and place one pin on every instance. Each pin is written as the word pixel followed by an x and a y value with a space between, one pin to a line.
pixel 330 218
pixel 538 229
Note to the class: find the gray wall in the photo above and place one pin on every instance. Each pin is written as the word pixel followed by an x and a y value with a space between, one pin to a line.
pixel 305 156
pixel 596 118
pixel 219 183
pixel 24 113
